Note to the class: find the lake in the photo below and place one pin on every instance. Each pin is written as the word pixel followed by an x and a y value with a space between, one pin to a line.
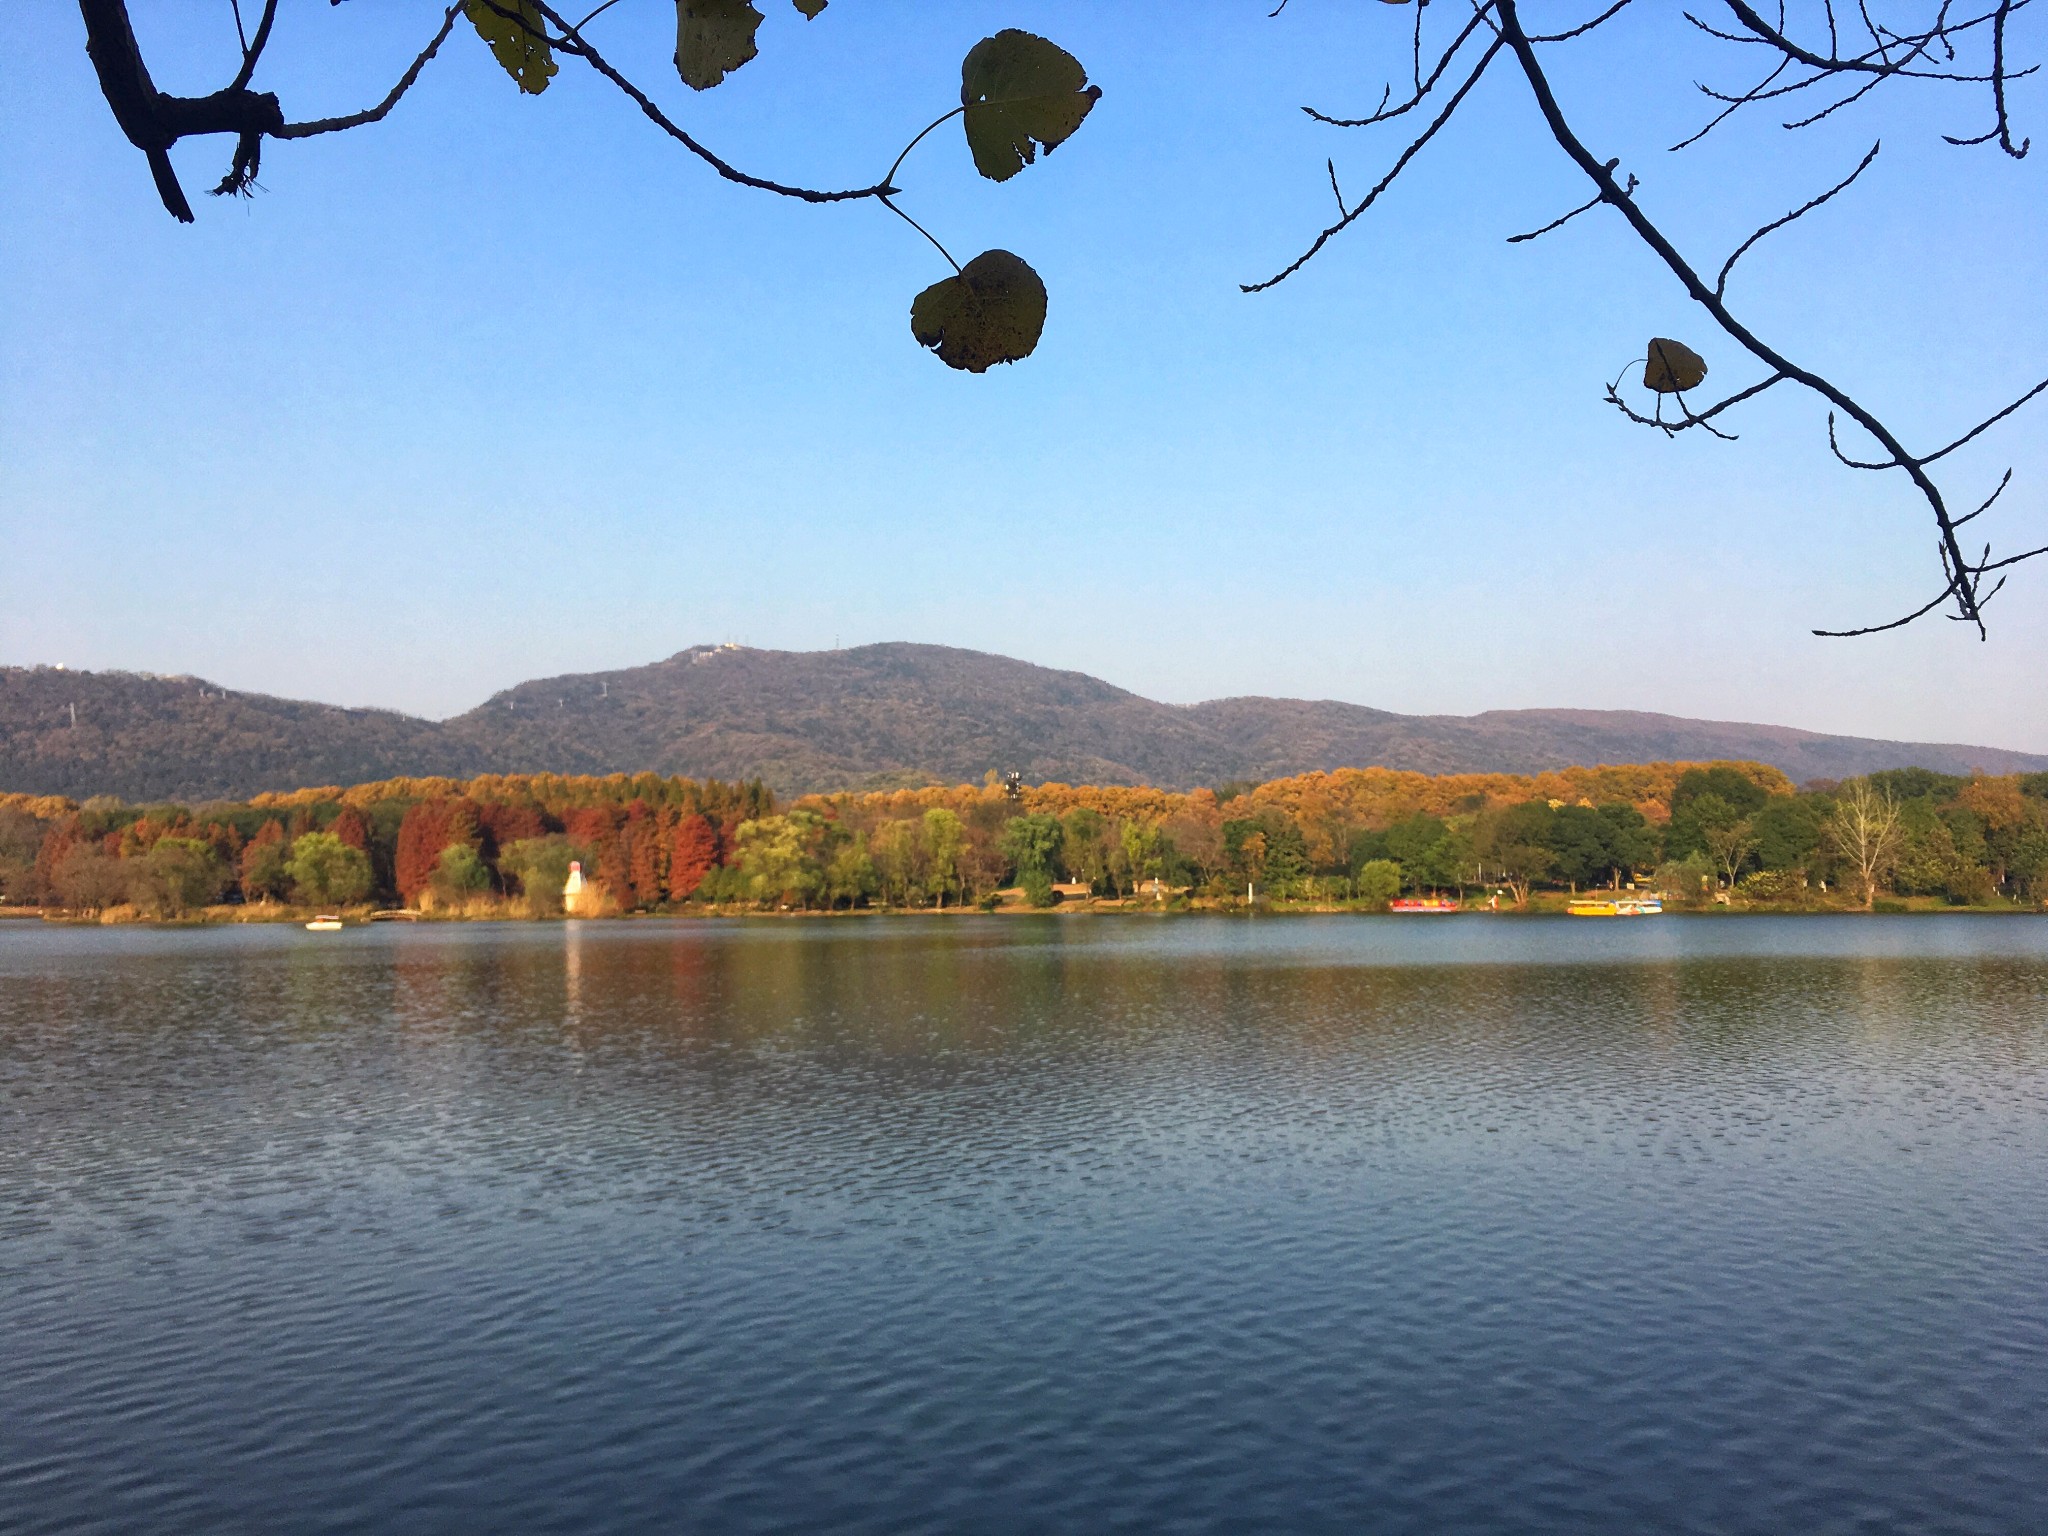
pixel 1294 1224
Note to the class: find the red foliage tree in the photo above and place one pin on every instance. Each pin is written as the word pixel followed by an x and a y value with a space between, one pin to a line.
pixel 694 852
pixel 56 844
pixel 646 836
pixel 429 828
pixel 506 822
pixel 597 828
pixel 260 866
pixel 138 837
pixel 350 827
pixel 227 842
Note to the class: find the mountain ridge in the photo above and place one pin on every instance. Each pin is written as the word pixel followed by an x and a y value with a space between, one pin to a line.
pixel 864 717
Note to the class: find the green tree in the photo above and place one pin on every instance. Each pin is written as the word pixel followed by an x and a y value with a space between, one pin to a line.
pixel 1287 861
pixel 325 871
pixel 1033 844
pixel 460 873
pixel 1407 842
pixel 1244 851
pixel 1449 861
pixel 1927 858
pixel 1581 850
pixel 1721 790
pixel 1513 843
pixel 1139 845
pixel 1631 840
pixel 1725 836
pixel 1085 844
pixel 895 852
pixel 849 874
pixel 1908 784
pixel 1365 846
pixel 1787 831
pixel 945 839
pixel 779 857
pixel 1378 882
pixel 540 866
pixel 179 874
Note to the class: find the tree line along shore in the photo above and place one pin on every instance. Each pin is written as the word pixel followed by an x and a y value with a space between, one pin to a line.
pixel 1702 835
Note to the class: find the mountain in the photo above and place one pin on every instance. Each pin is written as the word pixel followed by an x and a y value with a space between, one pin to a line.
pixel 144 737
pixel 869 717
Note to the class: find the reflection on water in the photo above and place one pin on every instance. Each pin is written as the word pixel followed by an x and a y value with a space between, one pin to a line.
pixel 1009 1224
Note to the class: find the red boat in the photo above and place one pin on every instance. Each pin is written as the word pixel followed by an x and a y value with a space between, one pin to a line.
pixel 1423 904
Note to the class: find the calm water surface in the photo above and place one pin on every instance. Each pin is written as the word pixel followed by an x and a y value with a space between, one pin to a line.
pixel 1028 1225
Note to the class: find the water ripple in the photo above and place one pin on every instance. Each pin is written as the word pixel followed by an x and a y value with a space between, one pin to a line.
pixel 1011 1225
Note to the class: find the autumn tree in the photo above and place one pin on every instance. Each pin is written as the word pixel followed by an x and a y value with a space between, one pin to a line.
pixel 644 845
pixel 693 853
pixel 87 878
pixel 261 868
pixel 21 839
pixel 504 822
pixel 599 830
pixel 350 829
pixel 429 827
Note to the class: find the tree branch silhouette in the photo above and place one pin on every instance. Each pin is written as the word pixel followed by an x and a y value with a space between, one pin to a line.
pixel 1877 56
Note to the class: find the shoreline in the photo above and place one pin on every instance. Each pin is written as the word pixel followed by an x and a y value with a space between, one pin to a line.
pixel 236 916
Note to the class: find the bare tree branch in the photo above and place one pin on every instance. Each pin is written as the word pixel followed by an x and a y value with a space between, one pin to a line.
pixel 376 114
pixel 1929 52
pixel 1386 181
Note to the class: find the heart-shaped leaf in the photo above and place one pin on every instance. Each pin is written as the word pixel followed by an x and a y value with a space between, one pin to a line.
pixel 1020 91
pixel 1672 367
pixel 518 39
pixel 810 8
pixel 993 312
pixel 713 38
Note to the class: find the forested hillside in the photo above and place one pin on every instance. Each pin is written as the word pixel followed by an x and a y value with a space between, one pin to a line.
pixel 159 738
pixel 871 717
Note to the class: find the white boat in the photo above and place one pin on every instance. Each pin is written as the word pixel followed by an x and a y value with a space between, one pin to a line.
pixel 326 922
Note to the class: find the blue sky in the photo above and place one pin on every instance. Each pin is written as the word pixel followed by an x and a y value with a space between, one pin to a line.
pixel 506 387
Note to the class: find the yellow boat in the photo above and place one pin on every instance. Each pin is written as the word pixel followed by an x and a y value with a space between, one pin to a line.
pixel 1616 906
